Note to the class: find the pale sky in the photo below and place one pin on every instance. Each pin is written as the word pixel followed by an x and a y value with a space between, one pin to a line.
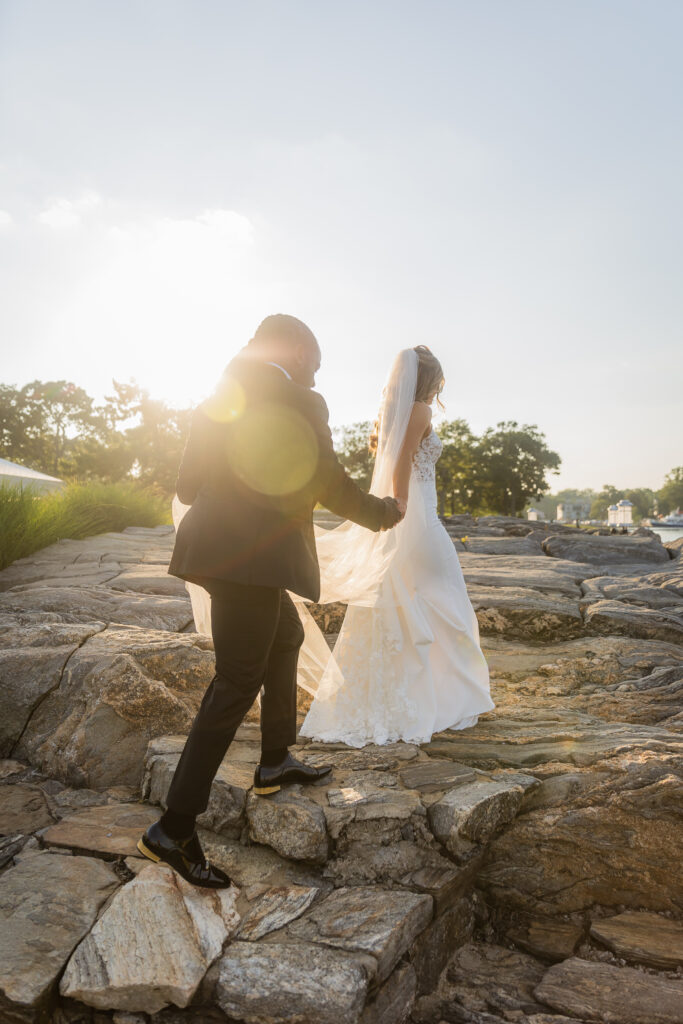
pixel 497 179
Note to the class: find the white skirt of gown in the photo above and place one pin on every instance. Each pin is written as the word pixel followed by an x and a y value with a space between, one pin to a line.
pixel 411 665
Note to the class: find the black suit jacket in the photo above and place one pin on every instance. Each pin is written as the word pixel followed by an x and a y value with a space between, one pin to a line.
pixel 258 458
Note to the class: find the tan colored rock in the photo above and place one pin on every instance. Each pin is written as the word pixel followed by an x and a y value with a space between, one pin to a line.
pixel 107 829
pixel 23 808
pixel 545 937
pixel 277 907
pixel 152 945
pixel 642 937
pixel 602 992
pixel 298 982
pixel 434 947
pixel 149 579
pixel 608 843
pixel 436 776
pixel 375 921
pixel 47 905
pixel 289 822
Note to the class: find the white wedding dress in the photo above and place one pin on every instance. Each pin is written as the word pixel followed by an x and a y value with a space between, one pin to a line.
pixel 411 664
pixel 407 662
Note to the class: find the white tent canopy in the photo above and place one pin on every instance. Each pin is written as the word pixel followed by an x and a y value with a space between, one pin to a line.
pixel 21 476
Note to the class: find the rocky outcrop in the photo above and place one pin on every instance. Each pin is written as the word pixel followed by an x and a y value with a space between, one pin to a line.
pixel 520 870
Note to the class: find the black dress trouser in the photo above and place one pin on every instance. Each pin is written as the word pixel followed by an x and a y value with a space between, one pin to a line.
pixel 257 634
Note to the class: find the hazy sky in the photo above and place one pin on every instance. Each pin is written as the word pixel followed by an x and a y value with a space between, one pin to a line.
pixel 498 179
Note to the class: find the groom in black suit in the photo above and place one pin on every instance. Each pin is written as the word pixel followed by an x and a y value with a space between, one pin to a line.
pixel 258 459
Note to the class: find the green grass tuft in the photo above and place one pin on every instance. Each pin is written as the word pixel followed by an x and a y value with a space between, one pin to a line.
pixel 29 521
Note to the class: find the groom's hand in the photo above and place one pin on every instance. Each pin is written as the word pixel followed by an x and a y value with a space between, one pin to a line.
pixel 392 513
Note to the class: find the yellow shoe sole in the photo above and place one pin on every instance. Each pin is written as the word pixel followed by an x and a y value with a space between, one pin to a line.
pixel 146 851
pixel 265 790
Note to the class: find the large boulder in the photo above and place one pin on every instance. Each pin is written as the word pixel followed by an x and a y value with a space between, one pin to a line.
pixel 611 550
pixel 122 687
pixel 153 944
pixel 520 613
pixel 101 604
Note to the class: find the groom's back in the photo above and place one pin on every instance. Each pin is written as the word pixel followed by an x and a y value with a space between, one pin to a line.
pixel 258 458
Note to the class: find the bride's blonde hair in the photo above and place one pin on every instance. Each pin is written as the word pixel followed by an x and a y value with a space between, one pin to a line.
pixel 429 378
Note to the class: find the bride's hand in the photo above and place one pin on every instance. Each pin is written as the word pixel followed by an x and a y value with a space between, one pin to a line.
pixel 402 505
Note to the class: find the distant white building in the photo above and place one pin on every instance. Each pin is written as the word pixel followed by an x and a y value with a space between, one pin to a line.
pixel 535 514
pixel 570 511
pixel 620 514
pixel 21 477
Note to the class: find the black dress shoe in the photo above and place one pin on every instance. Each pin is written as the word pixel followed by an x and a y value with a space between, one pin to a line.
pixel 185 855
pixel 268 778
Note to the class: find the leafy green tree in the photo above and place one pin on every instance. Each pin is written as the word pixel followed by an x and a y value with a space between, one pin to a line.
pixel 455 469
pixel 351 446
pixel 510 467
pixel 670 496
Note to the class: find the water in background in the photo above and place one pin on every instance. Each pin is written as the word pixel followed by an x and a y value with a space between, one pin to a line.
pixel 667 535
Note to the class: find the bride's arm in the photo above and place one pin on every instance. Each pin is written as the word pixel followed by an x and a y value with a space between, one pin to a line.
pixel 420 420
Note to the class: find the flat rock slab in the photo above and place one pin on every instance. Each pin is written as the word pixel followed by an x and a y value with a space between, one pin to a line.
pixel 377 921
pixel 548 938
pixel 277 907
pixel 88 604
pixel 112 829
pixel 434 776
pixel 149 579
pixel 642 937
pixel 503 545
pixel 602 992
pixel 291 823
pixel 527 739
pixel 153 944
pixel 371 757
pixel 297 983
pixel 522 613
pixel 613 550
pixel 23 809
pixel 47 904
pixel 634 621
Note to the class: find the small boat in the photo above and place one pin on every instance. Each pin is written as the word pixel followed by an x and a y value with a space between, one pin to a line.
pixel 674 520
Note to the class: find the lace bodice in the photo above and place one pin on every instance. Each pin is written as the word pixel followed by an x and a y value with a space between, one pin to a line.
pixel 426 456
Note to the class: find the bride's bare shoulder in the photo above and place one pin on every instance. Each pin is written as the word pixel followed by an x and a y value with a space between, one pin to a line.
pixel 421 413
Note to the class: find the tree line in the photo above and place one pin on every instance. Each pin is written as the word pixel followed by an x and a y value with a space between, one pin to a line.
pixel 57 428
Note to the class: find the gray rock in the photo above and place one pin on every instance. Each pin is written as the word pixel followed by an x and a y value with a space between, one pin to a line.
pixel 642 937
pixel 602 992
pixel 298 983
pixel 290 823
pixel 152 945
pixel 434 776
pixel 470 815
pixel 520 613
pixel 610 549
pixel 529 545
pixel 634 621
pixel 375 921
pixel 149 579
pixel 93 604
pixel 47 905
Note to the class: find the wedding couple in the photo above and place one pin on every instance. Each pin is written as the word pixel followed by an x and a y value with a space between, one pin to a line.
pixel 407 662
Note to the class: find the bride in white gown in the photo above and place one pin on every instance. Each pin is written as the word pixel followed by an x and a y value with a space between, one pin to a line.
pixel 407 662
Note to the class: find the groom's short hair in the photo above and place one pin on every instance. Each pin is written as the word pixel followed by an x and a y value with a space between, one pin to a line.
pixel 280 327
